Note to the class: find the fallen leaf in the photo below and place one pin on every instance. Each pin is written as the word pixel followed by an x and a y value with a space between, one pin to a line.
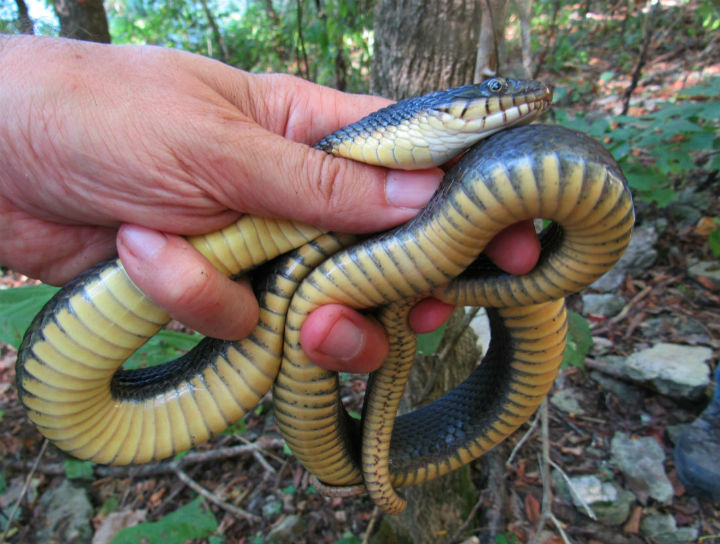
pixel 115 522
pixel 705 226
pixel 532 508
pixel 632 526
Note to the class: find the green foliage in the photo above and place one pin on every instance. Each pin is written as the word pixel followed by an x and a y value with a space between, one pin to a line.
pixel 80 470
pixel 326 42
pixel 658 150
pixel 428 343
pixel 194 520
pixel 506 538
pixel 162 347
pixel 579 341
pixel 18 307
pixel 111 504
pixel 714 240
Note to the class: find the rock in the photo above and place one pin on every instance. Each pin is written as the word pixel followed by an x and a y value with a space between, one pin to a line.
pixel 688 329
pixel 67 515
pixel 568 400
pixel 601 345
pixel 664 529
pixel 609 502
pixel 675 370
pixel 641 462
pixel 620 389
pixel 289 530
pixel 706 269
pixel 606 304
pixel 638 257
pixel 688 207
pixel 697 450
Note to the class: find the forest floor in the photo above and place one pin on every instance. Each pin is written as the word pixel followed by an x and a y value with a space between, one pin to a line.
pixel 258 485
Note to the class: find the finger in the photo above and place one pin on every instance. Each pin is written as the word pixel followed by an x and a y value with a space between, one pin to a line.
pixel 340 339
pixel 429 314
pixel 515 249
pixel 179 279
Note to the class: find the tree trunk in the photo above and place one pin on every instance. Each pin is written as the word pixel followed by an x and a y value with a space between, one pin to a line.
pixel 492 33
pixel 24 23
pixel 422 47
pixel 83 20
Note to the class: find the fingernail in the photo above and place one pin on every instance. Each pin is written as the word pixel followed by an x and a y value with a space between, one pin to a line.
pixel 411 189
pixel 344 341
pixel 142 242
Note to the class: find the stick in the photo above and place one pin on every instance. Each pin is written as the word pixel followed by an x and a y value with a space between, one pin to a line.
pixel 212 497
pixel 11 517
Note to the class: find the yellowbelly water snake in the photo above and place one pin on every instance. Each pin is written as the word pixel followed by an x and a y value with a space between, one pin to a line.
pixel 73 389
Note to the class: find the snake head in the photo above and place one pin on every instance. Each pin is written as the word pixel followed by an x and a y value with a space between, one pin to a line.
pixel 429 130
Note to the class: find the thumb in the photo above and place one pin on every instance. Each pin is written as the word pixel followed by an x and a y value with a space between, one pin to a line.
pixel 283 178
pixel 180 280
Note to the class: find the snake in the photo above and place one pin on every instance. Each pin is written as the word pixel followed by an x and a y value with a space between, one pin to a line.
pixel 70 374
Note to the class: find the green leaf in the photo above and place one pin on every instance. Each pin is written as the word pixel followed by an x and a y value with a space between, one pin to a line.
pixel 289 490
pixel 579 340
pixel 194 520
pixel 81 470
pixel 428 343
pixel 714 242
pixel 18 307
pixel 161 348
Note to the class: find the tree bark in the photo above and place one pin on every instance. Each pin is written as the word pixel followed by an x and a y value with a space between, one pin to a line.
pixel 83 20
pixel 492 33
pixel 422 47
pixel 24 22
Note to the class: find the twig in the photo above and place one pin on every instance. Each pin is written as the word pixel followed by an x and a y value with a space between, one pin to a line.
pixel 522 440
pixel 544 463
pixel 585 505
pixel 642 60
pixel 560 529
pixel 11 517
pixel 637 298
pixel 371 525
pixel 213 498
pixel 468 520
pixel 160 468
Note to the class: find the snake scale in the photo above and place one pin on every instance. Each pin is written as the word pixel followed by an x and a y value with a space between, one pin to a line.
pixel 69 371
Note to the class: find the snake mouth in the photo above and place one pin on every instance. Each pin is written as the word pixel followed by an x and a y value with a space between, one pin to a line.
pixel 517 102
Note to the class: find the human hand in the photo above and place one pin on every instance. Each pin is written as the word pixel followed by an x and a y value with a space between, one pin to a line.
pixel 179 145
pixel 175 143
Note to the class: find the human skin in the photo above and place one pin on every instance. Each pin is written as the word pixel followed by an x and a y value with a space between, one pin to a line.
pixel 126 149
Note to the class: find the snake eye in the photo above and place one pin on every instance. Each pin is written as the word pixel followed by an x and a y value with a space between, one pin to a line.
pixel 496 85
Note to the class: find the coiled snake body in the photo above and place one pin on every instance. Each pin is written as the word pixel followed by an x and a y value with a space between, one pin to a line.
pixel 68 365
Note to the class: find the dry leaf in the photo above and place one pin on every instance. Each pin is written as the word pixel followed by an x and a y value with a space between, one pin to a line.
pixel 115 522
